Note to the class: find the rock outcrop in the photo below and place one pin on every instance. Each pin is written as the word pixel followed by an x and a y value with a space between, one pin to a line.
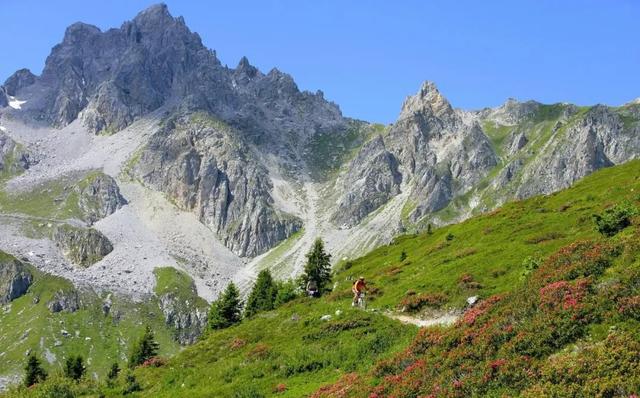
pixel 98 197
pixel 81 246
pixel 13 158
pixel 184 316
pixel 64 300
pixel 437 151
pixel 15 278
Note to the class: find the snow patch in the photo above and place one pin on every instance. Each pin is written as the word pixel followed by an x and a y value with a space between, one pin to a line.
pixel 16 103
pixel 3 129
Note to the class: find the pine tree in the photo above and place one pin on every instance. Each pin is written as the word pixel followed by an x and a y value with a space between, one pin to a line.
pixel 263 295
pixel 318 267
pixel 143 349
pixel 226 310
pixel 34 373
pixel 114 371
pixel 131 384
pixel 74 367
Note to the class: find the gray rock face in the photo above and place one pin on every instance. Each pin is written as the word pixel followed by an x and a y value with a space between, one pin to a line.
pixel 516 141
pixel 111 78
pixel 64 300
pixel 81 246
pixel 4 101
pixel 596 140
pixel 15 278
pixel 432 147
pixel 511 112
pixel 445 154
pixel 99 197
pixel 13 159
pixel 19 80
pixel 372 179
pixel 117 75
pixel 187 319
pixel 204 166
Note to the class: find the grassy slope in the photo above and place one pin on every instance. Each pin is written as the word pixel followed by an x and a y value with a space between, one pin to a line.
pixel 491 248
pixel 290 345
pixel 56 199
pixel 109 336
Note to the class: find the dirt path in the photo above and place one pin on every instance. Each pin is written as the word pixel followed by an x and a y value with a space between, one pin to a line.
pixel 442 320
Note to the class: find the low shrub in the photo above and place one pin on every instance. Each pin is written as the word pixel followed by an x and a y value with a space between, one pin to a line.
pixel 416 302
pixel 614 219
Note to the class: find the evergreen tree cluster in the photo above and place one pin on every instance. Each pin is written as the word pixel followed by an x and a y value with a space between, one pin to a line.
pixel 267 293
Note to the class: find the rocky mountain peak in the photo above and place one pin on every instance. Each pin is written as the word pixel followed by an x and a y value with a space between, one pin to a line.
pixel 428 100
pixel 21 78
pixel 79 32
pixel 154 13
pixel 511 112
pixel 246 69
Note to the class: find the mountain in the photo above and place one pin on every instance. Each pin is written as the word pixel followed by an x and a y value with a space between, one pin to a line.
pixel 136 150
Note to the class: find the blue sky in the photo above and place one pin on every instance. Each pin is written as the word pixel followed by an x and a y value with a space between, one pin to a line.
pixel 367 56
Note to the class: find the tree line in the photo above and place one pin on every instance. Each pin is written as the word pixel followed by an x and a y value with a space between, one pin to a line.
pixel 267 294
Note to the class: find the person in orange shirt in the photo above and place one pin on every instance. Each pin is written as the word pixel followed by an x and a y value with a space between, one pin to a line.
pixel 358 287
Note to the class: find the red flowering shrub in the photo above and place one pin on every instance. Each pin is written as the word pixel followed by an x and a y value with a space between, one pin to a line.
pixel 563 294
pixel 479 310
pixel 630 306
pixel 604 369
pixel 345 387
pixel 237 343
pixel 467 282
pixel 280 388
pixel 580 259
pixel 260 351
pixel 154 362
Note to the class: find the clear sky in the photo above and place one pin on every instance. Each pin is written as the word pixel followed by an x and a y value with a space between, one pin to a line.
pixel 368 55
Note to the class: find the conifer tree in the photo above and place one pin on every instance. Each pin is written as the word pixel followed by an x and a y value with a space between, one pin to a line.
pixel 262 296
pixel 226 310
pixel 74 367
pixel 318 267
pixel 114 371
pixel 143 349
pixel 34 373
